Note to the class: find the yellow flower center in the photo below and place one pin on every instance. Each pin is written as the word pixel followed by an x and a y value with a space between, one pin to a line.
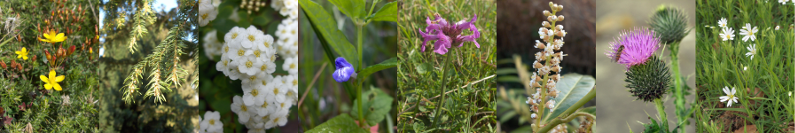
pixel 251 38
pixel 264 83
pixel 252 77
pixel 212 122
pixel 292 66
pixel 254 92
pixel 275 90
pixel 266 117
pixel 289 93
pixel 256 53
pixel 243 107
pixel 292 31
pixel 267 45
pixel 249 64
pixel 234 35
pixel 284 31
pixel 226 49
pixel 226 62
pixel 276 120
pixel 295 82
pixel 204 16
pixel 282 105
pixel 265 104
pixel 241 52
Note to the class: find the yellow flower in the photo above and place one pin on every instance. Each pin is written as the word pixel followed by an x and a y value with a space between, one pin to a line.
pixel 53 38
pixel 22 53
pixel 52 81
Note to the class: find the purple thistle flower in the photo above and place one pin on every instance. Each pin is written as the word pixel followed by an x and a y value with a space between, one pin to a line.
pixel 447 34
pixel 344 70
pixel 633 47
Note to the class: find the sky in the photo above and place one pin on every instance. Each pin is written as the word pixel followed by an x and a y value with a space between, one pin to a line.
pixel 157 5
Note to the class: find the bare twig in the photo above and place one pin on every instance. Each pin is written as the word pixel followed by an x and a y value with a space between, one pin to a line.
pixel 306 91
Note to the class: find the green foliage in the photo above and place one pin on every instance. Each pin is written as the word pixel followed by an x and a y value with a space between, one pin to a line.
pixel 163 65
pixel 387 13
pixel 325 27
pixel 470 105
pixel 761 82
pixel 24 101
pixel 572 87
pixel 375 105
pixel 341 123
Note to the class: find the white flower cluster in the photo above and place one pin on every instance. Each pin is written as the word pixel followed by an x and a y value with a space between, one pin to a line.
pixel 249 55
pixel 547 61
pixel 211 123
pixel 287 8
pixel 287 31
pixel 208 10
pixel 212 46
pixel 748 32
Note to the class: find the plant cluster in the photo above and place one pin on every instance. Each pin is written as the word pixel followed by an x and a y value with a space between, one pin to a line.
pixel 251 53
pixel 745 66
pixel 44 52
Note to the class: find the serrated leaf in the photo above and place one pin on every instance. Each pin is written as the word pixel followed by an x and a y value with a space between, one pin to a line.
pixel 340 124
pixel 389 63
pixel 352 8
pixel 376 104
pixel 387 12
pixel 325 27
pixel 572 88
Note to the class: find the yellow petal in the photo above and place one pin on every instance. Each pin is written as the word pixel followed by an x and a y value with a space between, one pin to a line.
pixel 49 35
pixel 57 87
pixel 52 74
pixel 24 50
pixel 59 38
pixel 60 78
pixel 44 40
pixel 25 57
pixel 44 78
pixel 47 86
pixel 18 52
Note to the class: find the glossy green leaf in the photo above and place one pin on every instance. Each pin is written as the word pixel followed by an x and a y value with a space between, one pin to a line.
pixel 376 104
pixel 326 29
pixel 387 12
pixel 572 88
pixel 339 124
pixel 352 8
pixel 389 63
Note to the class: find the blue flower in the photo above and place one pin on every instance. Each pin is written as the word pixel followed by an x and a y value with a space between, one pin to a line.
pixel 344 70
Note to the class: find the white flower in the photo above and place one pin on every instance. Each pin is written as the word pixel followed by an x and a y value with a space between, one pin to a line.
pixel 783 1
pixel 261 78
pixel 529 99
pixel 777 27
pixel 749 32
pixel 290 65
pixel 212 121
pixel 234 34
pixel 207 12
pixel 541 32
pixel 551 104
pixel 277 90
pixel 729 96
pixel 256 96
pixel 533 115
pixel 200 128
pixel 751 51
pixel 223 64
pixel 248 65
pixel 252 37
pixel 722 22
pixel 268 66
pixel 267 44
pixel 728 34
pixel 212 47
pixel 243 112
pixel 292 88
pixel 279 118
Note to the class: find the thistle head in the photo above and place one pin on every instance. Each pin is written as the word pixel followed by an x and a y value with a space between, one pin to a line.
pixel 633 47
pixel 648 81
pixel 670 24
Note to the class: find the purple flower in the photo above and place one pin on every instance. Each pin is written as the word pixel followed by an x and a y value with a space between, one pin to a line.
pixel 633 47
pixel 447 34
pixel 344 70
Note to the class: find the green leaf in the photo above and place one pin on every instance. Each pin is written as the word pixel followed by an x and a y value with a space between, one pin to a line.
pixel 353 8
pixel 572 88
pixel 340 124
pixel 387 12
pixel 590 110
pixel 389 63
pixel 325 27
pixel 423 68
pixel 376 104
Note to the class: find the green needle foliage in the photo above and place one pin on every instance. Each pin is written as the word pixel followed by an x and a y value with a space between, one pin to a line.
pixel 151 89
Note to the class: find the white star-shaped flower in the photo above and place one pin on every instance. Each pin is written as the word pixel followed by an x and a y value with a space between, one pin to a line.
pixel 729 96
pixel 751 51
pixel 749 32
pixel 727 34
pixel 722 22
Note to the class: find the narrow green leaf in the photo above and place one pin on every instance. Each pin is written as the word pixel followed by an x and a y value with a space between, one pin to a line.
pixel 353 8
pixel 325 27
pixel 572 88
pixel 387 12
pixel 423 68
pixel 392 62
pixel 339 124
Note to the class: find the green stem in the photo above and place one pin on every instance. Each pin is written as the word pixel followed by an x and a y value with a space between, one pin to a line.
pixel 360 80
pixel 444 81
pixel 678 90
pixel 661 110
pixel 563 118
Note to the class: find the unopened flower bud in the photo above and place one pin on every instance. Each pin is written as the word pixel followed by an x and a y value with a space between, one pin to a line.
pixel 537 65
pixel 551 4
pixel 546 13
pixel 560 18
pixel 545 24
pixel 552 18
pixel 559 27
pixel 539 45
